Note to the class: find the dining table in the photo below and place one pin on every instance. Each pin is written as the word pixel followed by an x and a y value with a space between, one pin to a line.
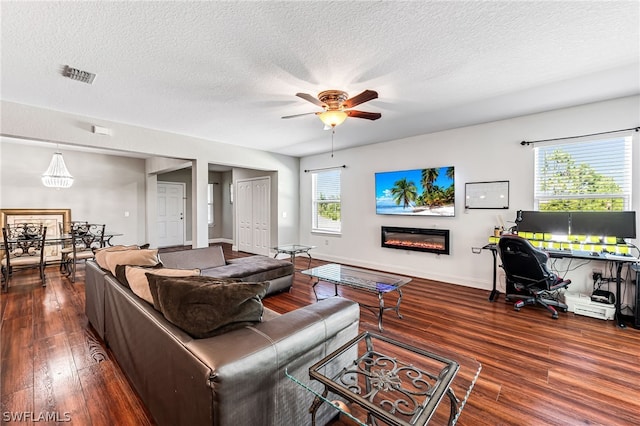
pixel 62 240
pixel 67 238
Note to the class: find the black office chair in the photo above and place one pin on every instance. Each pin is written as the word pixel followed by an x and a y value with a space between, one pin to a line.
pixel 529 281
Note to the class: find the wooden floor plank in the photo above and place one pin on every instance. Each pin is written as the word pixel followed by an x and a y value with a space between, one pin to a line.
pixel 535 371
pixel 15 405
pixel 122 408
pixel 57 387
pixel 16 376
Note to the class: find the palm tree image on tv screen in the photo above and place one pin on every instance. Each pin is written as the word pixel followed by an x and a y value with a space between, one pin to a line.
pixel 424 192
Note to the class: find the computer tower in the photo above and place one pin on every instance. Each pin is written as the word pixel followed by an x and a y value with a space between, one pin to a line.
pixel 636 310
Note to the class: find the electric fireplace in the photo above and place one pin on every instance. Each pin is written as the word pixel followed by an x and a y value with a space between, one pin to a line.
pixel 417 239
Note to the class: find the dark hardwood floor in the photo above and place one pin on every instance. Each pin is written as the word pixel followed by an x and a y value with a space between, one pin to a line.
pixel 535 371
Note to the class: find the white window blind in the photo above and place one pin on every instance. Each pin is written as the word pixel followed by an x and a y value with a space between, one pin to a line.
pixel 591 175
pixel 326 201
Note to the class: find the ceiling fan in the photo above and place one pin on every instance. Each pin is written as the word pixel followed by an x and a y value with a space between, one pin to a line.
pixel 337 104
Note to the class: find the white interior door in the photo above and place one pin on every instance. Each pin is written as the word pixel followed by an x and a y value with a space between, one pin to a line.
pixel 170 214
pixel 260 191
pixel 253 207
pixel 243 213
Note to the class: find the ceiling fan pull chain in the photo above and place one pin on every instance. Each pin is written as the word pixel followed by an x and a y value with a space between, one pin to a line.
pixel 333 132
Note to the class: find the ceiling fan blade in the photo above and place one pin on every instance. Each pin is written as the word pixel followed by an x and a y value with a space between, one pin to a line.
pixel 364 114
pixel 312 99
pixel 299 115
pixel 363 97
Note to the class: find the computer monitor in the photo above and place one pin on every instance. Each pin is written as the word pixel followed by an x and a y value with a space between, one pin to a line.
pixel 612 224
pixel 548 222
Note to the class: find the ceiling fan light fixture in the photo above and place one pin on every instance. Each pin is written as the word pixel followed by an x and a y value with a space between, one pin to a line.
pixel 333 118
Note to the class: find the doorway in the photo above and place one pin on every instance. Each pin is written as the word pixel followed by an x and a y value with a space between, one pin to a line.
pixel 171 214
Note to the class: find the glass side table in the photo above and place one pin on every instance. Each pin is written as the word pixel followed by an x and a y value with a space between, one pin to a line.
pixel 292 250
pixel 388 382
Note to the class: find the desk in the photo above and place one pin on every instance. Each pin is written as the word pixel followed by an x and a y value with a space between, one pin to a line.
pixel 619 261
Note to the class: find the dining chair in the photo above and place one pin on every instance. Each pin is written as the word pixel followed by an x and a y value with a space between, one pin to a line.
pixel 23 249
pixel 84 239
pixel 65 228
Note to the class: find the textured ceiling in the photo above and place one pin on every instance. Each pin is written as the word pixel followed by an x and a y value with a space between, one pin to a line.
pixel 227 71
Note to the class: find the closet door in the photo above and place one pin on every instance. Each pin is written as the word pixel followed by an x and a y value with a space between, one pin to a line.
pixel 253 206
pixel 261 193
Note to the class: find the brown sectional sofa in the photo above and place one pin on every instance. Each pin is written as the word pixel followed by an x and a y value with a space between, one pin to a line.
pixel 210 260
pixel 236 378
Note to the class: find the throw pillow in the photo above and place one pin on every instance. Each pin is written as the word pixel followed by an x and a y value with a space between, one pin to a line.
pixel 131 257
pixel 101 253
pixel 135 278
pixel 205 306
pixel 153 287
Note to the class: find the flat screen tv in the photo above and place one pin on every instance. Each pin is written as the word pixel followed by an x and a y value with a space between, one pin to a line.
pixel 417 192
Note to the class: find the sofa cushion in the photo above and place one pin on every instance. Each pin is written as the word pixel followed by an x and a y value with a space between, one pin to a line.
pixel 252 269
pixel 206 307
pixel 148 257
pixel 135 278
pixel 100 254
pixel 202 258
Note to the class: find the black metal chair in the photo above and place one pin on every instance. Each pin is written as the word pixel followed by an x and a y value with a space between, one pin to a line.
pixel 67 246
pixel 23 249
pixel 529 280
pixel 85 238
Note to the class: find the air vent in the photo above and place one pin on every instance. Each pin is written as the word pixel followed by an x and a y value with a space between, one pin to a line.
pixel 78 75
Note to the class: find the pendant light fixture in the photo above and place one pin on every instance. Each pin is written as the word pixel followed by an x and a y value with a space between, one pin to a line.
pixel 57 175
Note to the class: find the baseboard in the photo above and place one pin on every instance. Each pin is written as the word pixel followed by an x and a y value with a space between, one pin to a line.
pixel 220 240
pixel 394 269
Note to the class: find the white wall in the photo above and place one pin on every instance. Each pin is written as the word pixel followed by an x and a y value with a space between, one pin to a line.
pixel 105 187
pixel 46 125
pixel 485 152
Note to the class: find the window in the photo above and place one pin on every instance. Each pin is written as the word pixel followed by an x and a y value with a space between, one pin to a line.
pixel 593 175
pixel 326 201
pixel 210 204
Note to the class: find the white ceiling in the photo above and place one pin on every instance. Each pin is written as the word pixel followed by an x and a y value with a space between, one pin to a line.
pixel 227 71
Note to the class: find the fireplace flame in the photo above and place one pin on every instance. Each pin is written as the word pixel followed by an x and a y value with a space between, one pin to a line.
pixel 418 239
pixel 416 244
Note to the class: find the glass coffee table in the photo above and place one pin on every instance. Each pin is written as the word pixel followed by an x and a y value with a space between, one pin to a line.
pixel 361 279
pixel 387 382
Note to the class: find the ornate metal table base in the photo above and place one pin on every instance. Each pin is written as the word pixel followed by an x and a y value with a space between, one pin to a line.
pixel 388 389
